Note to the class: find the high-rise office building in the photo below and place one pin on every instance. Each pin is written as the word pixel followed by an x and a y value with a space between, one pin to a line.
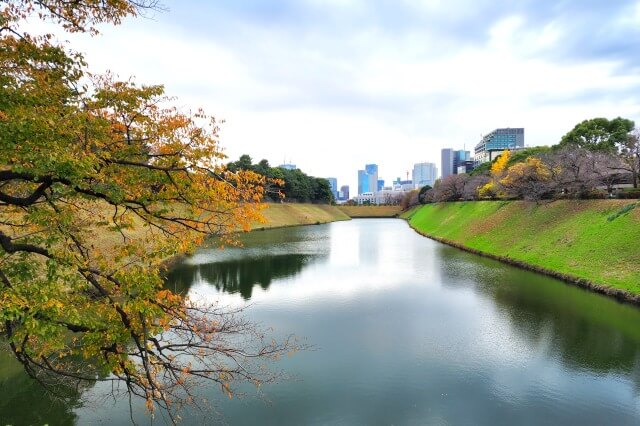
pixel 334 186
pixel 363 182
pixel 380 185
pixel 372 172
pixel 344 189
pixel 497 141
pixel 452 159
pixel 424 174
pixel 446 162
pixel 368 179
pixel 460 157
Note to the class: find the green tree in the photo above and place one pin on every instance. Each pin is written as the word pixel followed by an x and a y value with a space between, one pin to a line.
pixel 100 180
pixel 598 134
pixel 422 194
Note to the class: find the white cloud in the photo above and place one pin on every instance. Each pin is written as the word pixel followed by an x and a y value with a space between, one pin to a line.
pixel 357 84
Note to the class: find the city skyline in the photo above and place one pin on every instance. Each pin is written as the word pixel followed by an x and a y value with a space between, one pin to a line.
pixel 332 85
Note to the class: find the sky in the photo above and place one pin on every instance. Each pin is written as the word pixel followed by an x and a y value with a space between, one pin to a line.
pixel 332 85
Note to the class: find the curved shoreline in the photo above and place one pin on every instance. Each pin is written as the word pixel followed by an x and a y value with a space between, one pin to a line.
pixel 618 294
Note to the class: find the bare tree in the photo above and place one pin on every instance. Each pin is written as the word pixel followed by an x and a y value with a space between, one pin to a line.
pixel 572 171
pixel 450 188
pixel 472 186
pixel 629 152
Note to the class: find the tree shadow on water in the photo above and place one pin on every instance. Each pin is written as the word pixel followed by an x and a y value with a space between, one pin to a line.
pixel 239 275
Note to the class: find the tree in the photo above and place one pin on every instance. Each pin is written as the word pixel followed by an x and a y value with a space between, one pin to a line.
pixel 498 169
pixel 528 180
pixel 598 134
pixel 629 151
pixel 422 195
pixel 473 186
pixel 572 170
pixel 100 180
pixel 450 188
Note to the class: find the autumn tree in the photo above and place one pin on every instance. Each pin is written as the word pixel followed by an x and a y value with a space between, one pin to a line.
pixel 528 180
pixel 492 189
pixel 100 180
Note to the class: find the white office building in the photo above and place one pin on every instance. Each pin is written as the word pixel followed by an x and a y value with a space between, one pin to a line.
pixel 424 174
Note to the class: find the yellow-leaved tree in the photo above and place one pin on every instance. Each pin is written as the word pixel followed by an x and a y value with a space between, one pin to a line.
pixel 498 169
pixel 100 180
pixel 528 180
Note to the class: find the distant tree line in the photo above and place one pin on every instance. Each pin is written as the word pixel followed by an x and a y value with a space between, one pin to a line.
pixel 590 160
pixel 285 184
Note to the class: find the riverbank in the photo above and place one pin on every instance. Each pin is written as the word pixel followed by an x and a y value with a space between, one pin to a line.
pixel 370 211
pixel 279 215
pixel 591 243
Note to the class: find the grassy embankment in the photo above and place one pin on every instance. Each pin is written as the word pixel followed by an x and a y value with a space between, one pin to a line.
pixel 291 214
pixel 371 211
pixel 592 243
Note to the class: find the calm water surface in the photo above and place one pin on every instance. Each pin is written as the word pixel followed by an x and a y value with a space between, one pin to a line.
pixel 406 331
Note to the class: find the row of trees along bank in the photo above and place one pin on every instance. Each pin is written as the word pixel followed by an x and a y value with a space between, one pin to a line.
pixel 285 184
pixel 590 161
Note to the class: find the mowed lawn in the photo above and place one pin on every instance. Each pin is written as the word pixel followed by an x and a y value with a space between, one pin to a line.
pixel 598 240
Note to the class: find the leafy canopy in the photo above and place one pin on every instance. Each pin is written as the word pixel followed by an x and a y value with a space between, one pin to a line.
pixel 100 180
pixel 598 134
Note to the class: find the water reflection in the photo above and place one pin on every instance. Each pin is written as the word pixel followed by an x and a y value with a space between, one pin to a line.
pixel 24 402
pixel 583 330
pixel 407 331
pixel 240 275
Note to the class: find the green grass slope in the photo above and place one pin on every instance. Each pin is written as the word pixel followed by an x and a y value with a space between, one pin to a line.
pixel 291 214
pixel 595 240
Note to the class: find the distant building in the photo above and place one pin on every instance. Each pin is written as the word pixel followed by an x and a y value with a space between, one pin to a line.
pixel 452 159
pixel 363 182
pixel 334 186
pixel 465 167
pixel 368 179
pixel 344 189
pixel 446 162
pixel 288 166
pixel 372 172
pixel 459 158
pixel 424 174
pixel 497 141
pixel 380 184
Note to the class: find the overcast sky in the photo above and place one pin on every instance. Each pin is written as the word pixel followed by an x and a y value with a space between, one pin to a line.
pixel 333 84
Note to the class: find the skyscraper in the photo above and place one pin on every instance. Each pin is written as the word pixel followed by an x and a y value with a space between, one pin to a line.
pixel 334 186
pixel 424 174
pixel 452 159
pixel 344 189
pixel 363 182
pixel 368 179
pixel 380 184
pixel 372 172
pixel 459 158
pixel 446 162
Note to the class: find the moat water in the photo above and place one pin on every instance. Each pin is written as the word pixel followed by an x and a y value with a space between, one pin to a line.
pixel 405 331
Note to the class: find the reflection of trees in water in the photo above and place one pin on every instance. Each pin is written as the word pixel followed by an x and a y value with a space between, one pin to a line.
pixel 239 275
pixel 583 329
pixel 23 401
